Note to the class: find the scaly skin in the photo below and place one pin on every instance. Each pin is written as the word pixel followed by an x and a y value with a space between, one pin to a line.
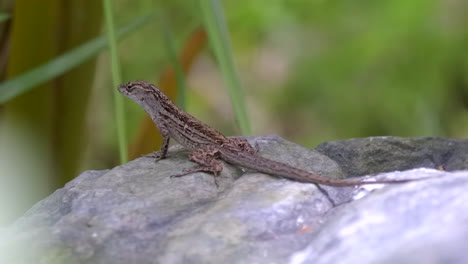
pixel 210 146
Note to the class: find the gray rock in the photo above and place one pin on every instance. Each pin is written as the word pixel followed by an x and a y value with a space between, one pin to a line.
pixel 135 213
pixel 363 156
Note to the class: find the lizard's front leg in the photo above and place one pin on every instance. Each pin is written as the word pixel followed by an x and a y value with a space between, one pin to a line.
pixel 208 158
pixel 162 153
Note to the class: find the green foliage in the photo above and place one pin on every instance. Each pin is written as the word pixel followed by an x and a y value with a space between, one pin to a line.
pixel 217 31
pixel 378 69
pixel 16 86
pixel 4 17
pixel 116 80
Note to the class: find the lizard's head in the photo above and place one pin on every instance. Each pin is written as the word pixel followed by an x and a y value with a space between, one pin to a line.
pixel 136 88
pixel 139 91
pixel 143 93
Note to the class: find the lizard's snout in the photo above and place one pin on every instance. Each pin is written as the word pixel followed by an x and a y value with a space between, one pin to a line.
pixel 122 87
pixel 125 88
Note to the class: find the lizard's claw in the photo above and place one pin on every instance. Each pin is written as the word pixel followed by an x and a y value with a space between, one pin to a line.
pixel 199 169
pixel 184 173
pixel 155 155
pixel 256 147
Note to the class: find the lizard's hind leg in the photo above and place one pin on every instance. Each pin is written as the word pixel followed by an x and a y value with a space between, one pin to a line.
pixel 208 159
pixel 240 144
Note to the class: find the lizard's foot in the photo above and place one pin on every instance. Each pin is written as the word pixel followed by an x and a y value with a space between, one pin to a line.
pixel 208 159
pixel 155 155
pixel 215 172
pixel 256 147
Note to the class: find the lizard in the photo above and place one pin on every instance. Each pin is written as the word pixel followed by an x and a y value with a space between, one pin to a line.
pixel 209 146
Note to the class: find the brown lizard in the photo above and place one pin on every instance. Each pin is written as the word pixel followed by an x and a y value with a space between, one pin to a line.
pixel 209 146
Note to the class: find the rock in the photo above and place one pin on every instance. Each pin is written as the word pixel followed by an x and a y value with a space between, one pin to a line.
pixel 362 156
pixel 136 213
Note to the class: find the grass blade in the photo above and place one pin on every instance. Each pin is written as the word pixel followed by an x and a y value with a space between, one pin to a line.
pixel 4 17
pixel 116 80
pixel 26 81
pixel 218 34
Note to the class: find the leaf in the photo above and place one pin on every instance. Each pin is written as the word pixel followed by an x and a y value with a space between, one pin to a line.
pixel 218 34
pixel 4 17
pixel 26 81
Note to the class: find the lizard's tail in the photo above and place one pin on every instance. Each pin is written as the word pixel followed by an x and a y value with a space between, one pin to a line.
pixel 272 167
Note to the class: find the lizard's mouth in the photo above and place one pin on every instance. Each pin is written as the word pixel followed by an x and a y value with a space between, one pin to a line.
pixel 122 88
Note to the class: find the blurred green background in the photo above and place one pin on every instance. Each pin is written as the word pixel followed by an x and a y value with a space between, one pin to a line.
pixel 310 71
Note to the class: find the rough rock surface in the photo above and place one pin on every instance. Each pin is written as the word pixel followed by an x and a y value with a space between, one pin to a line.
pixel 136 213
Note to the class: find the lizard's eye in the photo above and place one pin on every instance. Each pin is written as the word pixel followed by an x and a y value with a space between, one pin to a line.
pixel 132 87
pixel 142 99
